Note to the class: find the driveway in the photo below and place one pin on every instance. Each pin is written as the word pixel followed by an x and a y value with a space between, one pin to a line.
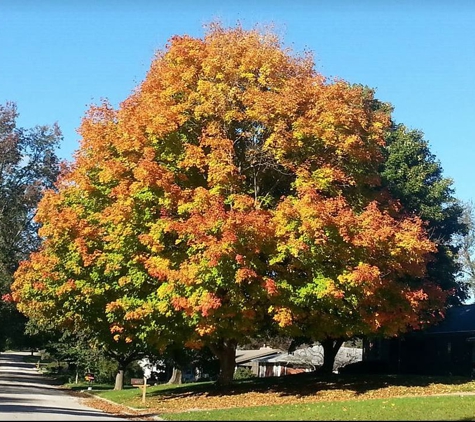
pixel 26 395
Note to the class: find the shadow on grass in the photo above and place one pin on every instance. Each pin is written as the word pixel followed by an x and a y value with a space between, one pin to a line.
pixel 96 387
pixel 301 385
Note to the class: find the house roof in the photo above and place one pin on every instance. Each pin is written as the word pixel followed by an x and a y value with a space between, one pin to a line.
pixel 308 355
pixel 458 319
pixel 243 356
pixel 313 355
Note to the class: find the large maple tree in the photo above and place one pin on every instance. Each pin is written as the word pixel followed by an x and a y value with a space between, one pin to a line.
pixel 234 188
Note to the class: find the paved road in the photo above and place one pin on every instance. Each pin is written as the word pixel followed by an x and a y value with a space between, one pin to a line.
pixel 26 395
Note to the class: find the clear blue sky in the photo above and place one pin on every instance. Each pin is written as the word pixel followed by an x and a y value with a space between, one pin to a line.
pixel 57 57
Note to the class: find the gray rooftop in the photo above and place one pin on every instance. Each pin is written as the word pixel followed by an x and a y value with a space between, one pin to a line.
pixel 248 355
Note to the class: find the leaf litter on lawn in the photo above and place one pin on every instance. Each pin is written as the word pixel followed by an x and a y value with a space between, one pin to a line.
pixel 297 389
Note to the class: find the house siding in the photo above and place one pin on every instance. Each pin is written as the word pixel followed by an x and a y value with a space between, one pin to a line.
pixel 422 354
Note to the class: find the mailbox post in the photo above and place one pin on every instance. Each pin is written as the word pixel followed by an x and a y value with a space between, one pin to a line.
pixel 141 383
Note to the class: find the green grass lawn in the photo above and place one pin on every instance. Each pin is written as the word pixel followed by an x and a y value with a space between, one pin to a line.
pixel 129 394
pixel 442 408
pixel 369 397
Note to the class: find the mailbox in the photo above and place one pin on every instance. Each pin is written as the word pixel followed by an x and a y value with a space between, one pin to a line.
pixel 89 377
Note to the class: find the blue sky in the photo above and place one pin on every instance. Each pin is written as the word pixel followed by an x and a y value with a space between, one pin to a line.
pixel 58 57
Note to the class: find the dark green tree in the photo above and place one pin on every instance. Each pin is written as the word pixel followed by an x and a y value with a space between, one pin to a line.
pixel 28 164
pixel 414 176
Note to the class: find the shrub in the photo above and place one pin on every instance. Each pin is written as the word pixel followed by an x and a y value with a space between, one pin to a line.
pixel 243 373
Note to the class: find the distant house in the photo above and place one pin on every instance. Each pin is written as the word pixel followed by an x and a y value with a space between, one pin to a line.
pixel 307 359
pixel 447 348
pixel 251 358
pixel 267 362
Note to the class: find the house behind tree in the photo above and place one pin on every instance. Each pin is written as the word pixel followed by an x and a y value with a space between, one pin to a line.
pixel 447 348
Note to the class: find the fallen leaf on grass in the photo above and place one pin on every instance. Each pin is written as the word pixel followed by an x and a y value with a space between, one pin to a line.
pixel 309 392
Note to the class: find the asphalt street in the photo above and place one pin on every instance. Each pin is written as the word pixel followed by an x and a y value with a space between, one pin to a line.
pixel 27 395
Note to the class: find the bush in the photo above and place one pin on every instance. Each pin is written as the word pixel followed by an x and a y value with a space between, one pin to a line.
pixel 104 370
pixel 243 373
pixel 365 367
pixel 134 370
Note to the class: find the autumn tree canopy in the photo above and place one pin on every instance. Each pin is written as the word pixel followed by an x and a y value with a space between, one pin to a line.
pixel 234 189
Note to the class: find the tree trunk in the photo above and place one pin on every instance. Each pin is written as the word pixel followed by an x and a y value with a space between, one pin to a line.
pixel 225 351
pixel 330 349
pixel 123 361
pixel 176 376
pixel 119 379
